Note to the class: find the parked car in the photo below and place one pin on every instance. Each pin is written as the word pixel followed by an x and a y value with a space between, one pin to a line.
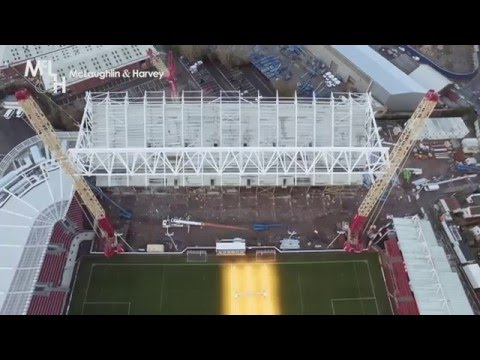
pixel 19 113
pixel 9 113
pixel 416 58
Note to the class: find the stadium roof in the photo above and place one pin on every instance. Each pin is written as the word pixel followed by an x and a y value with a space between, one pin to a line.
pixel 430 78
pixel 379 69
pixel 436 287
pixel 30 204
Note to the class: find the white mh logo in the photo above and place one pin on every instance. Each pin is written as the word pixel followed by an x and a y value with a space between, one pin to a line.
pixel 40 66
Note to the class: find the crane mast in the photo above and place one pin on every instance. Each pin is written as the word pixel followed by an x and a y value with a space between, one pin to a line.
pixel 49 137
pixel 400 152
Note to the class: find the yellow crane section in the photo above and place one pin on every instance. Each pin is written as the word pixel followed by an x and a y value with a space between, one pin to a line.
pixel 400 151
pixel 47 134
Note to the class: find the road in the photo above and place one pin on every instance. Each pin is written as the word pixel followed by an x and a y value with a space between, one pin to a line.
pixel 12 132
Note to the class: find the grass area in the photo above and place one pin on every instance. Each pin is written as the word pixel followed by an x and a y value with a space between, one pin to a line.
pixel 327 283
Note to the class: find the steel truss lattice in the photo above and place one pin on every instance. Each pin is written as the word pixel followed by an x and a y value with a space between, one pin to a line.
pixel 228 140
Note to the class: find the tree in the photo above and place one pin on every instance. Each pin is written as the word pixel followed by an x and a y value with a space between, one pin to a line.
pixel 285 88
pixel 233 55
pixel 193 52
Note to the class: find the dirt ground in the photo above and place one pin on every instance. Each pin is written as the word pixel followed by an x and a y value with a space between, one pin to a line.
pixel 457 58
pixel 314 214
pixel 295 209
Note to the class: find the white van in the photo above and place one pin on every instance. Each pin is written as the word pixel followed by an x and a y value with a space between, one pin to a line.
pixel 9 113
pixel 431 187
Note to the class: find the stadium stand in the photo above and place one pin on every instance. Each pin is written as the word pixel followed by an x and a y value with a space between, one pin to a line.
pixel 75 214
pixel 51 304
pixel 60 236
pixel 404 301
pixel 52 269
pixel 54 263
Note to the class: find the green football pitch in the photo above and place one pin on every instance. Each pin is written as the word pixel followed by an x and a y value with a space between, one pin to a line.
pixel 326 283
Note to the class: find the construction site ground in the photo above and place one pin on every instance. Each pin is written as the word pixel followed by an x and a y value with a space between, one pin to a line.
pixel 313 213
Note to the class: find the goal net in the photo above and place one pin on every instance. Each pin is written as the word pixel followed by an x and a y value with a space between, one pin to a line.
pixel 266 255
pixel 196 255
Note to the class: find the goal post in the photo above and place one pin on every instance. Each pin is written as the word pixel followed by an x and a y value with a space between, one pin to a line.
pixel 196 255
pixel 265 255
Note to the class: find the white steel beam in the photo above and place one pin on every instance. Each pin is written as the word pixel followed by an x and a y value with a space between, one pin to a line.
pixel 331 156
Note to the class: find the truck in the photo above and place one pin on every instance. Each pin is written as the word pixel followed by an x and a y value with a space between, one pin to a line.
pixel 414 171
pixel 431 187
pixel 467 168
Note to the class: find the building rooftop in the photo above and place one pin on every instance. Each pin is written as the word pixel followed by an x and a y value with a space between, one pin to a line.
pixel 91 59
pixel 430 78
pixel 379 69
pixel 66 58
pixel 16 54
pixel 436 287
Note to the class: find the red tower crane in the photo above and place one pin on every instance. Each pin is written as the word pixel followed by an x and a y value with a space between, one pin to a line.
pixel 168 73
pixel 171 75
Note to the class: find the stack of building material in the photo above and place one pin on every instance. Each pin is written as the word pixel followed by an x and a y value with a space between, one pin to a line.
pixel 444 128
pixel 470 146
pixel 441 149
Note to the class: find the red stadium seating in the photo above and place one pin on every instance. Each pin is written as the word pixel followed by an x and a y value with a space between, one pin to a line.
pixel 75 214
pixel 403 293
pixel 60 236
pixel 52 304
pixel 391 247
pixel 52 269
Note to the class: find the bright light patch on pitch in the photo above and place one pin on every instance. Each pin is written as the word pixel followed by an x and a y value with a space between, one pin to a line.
pixel 250 288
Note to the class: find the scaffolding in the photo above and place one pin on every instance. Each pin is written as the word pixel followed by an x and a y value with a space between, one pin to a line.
pixel 228 140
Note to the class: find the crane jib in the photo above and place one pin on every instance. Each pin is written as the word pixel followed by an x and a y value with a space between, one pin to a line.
pixel 400 151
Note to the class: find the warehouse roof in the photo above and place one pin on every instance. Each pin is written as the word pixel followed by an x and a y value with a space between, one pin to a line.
pixel 430 78
pixel 379 69
pixel 16 54
pixel 91 59
pixel 436 287
pixel 67 58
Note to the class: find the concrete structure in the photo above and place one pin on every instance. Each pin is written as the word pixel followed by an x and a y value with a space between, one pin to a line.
pixel 430 78
pixel 228 141
pixel 31 202
pixel 436 287
pixel 366 70
pixel 66 59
